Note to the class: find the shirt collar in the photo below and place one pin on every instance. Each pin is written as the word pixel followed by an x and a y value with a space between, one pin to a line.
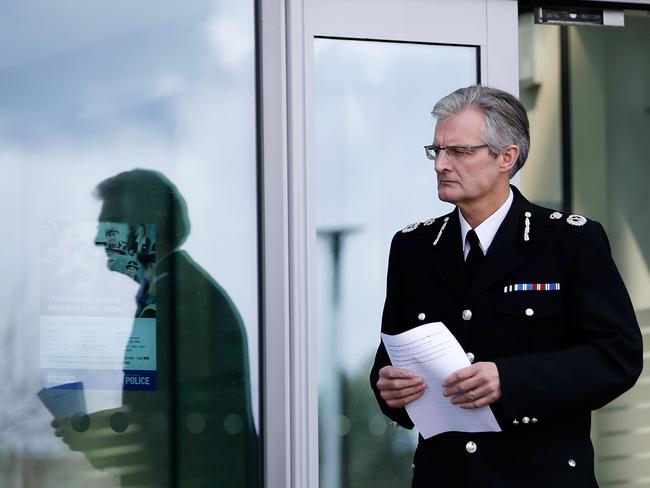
pixel 488 228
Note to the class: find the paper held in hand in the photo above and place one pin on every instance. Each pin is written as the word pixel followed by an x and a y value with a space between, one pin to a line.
pixel 433 353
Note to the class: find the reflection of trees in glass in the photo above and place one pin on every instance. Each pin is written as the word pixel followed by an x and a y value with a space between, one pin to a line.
pixel 374 454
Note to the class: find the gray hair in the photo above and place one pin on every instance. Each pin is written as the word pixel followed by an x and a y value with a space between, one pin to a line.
pixel 506 121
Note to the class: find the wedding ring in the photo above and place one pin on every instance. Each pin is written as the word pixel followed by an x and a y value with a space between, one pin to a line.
pixel 474 393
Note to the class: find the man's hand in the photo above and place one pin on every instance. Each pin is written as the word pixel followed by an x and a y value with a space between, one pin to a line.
pixel 473 387
pixel 70 430
pixel 398 386
pixel 91 435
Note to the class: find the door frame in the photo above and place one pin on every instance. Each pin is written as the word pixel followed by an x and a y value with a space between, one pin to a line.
pixel 286 31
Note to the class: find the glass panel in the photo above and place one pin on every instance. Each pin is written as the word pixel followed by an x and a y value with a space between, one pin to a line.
pixel 609 76
pixel 129 298
pixel 373 104
pixel 540 93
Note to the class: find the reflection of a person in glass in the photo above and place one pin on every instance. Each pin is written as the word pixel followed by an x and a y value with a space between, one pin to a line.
pixel 195 428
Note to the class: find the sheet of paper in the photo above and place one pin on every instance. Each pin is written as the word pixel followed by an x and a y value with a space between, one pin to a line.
pixel 433 353
pixel 64 402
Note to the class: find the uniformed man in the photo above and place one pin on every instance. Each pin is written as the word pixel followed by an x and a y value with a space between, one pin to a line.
pixel 113 239
pixel 132 269
pixel 531 294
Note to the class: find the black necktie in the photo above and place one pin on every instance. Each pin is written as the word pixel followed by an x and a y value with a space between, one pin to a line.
pixel 475 255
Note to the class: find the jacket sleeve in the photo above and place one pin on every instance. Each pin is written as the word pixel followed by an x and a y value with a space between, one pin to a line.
pixel 605 356
pixel 389 324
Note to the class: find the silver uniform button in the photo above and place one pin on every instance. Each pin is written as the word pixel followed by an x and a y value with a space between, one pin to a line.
pixel 470 447
pixel 525 420
pixel 471 357
pixel 572 463
pixel 529 312
pixel 422 316
pixel 467 314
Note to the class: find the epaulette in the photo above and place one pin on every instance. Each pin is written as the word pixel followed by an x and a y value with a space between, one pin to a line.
pixel 549 217
pixel 415 225
pixel 573 220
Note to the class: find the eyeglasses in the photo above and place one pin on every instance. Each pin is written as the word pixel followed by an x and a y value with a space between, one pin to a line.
pixel 453 152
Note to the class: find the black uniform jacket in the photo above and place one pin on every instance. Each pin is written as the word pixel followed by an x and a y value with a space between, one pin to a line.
pixel 560 353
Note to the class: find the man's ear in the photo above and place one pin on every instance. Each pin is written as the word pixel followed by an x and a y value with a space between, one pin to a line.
pixel 509 158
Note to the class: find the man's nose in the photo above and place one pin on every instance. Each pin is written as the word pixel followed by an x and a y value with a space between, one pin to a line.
pixel 442 161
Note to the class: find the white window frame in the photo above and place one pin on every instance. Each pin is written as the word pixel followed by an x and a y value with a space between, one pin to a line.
pixel 286 30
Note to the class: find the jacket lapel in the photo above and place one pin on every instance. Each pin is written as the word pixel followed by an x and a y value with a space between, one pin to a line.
pixel 448 261
pixel 508 249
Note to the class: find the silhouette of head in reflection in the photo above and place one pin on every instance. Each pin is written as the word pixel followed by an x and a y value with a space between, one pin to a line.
pixel 151 214
pixel 146 197
pixel 186 415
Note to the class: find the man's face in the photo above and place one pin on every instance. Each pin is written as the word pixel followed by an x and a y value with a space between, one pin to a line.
pixel 108 232
pixel 468 178
pixel 112 239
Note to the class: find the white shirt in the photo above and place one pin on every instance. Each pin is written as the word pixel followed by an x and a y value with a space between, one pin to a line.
pixel 487 229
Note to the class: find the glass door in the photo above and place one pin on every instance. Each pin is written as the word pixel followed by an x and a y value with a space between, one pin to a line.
pixel 377 71
pixel 373 115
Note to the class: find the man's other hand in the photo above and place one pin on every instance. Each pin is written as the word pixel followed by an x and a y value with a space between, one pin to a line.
pixel 476 386
pixel 399 387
